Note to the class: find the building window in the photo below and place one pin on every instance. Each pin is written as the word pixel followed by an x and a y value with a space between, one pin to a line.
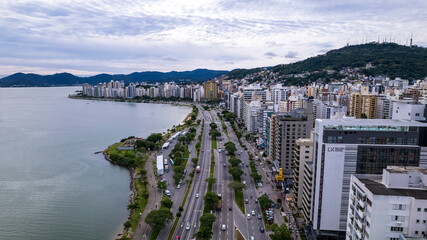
pixel 424 221
pixel 425 209
pixel 417 114
pixel 399 207
pixel 418 220
pixel 396 229
pixel 416 232
pixel 399 218
pixel 418 209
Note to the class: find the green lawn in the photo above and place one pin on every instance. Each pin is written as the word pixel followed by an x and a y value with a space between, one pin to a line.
pixel 214 144
pixel 238 197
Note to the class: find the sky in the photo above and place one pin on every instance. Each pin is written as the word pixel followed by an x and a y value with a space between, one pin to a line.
pixel 87 37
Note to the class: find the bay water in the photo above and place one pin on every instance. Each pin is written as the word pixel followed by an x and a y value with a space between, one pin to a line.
pixel 52 185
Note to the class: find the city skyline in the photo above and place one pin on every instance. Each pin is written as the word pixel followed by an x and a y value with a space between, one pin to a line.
pixel 87 38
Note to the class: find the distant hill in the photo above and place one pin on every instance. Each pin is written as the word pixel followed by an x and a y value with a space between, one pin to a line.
pixel 67 79
pixel 389 59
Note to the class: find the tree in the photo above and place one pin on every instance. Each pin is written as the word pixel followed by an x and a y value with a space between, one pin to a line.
pixel 166 202
pixel 204 233
pixel 256 176
pixel 195 161
pixel 281 233
pixel 230 147
pixel 213 125
pixel 161 185
pixel 235 172
pixel 214 133
pixel 158 219
pixel 264 202
pixel 211 180
pixel 234 161
pixel 236 185
pixel 154 137
pixel 139 143
pixel 211 200
pixel 207 219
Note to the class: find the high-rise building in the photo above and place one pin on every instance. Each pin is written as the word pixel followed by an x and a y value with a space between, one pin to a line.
pixel 303 153
pixel 211 90
pixel 284 130
pixel 357 146
pixel 363 106
pixel 391 206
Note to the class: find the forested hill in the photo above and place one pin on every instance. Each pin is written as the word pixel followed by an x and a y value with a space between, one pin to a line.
pixel 67 79
pixel 389 59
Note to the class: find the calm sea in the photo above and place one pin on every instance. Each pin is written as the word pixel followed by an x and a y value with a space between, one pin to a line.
pixel 52 185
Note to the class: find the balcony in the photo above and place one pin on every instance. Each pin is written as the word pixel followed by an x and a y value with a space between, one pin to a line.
pixel 360 213
pixel 361 204
pixel 359 223
pixel 358 233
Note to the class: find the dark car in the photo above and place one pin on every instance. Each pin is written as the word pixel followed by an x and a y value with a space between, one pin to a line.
pixel 261 229
pixel 230 208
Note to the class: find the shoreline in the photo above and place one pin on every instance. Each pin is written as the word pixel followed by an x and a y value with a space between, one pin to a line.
pixel 132 174
pixel 130 100
pixel 132 171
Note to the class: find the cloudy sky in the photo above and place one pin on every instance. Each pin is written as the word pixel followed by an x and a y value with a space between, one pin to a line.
pixel 87 37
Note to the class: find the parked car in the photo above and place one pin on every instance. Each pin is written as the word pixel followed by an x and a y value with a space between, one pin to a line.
pixel 246 201
pixel 256 200
pixel 230 208
pixel 252 238
pixel 244 182
pixel 167 193
pixel 178 186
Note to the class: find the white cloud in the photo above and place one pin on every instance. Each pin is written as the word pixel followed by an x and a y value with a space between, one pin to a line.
pixel 121 36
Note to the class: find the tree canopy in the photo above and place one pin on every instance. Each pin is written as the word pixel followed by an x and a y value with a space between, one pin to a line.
pixel 158 219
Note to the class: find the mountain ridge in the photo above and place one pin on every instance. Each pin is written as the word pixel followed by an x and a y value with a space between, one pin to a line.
pixel 67 79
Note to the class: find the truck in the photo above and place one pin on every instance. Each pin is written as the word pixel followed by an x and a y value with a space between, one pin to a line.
pixel 219 205
pixel 166 145
pixel 198 169
pixel 160 169
pixel 165 161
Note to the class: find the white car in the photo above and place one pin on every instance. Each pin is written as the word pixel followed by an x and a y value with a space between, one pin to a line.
pixel 223 227
pixel 244 182
pixel 253 213
pixel 188 226
pixel 197 195
pixel 248 216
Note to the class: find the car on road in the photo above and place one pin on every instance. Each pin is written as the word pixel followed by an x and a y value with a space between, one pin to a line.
pixel 252 238
pixel 162 179
pixel 178 186
pixel 225 165
pixel 256 200
pixel 188 226
pixel 230 208
pixel 244 182
pixel 180 181
pixel 223 227
pixel 197 195
pixel 261 229
pixel 203 150
pixel 259 216
pixel 167 193
pixel 177 237
pixel 246 201
pixel 248 216
pixel 253 213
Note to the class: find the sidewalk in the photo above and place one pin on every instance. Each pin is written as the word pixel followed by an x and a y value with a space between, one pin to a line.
pixel 144 230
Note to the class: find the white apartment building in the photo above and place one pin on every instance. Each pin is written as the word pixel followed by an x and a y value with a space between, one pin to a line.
pixel 357 146
pixel 390 206
pixel 408 110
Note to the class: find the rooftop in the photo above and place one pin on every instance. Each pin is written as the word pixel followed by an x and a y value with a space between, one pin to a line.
pixel 400 169
pixel 377 188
